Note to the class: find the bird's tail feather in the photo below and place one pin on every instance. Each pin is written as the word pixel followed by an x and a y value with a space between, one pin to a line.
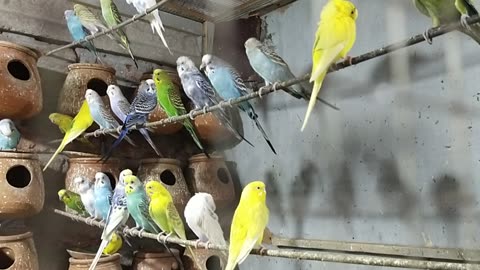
pixel 157 25
pixel 316 89
pixel 193 133
pixel 473 32
pixel 254 117
pixel 99 254
pixel 131 55
pixel 145 134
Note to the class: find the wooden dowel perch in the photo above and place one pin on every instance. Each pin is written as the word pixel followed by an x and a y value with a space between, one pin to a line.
pixel 324 256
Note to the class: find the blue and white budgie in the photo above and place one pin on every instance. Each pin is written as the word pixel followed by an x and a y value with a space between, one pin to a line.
pixel 9 135
pixel 118 102
pixel 137 205
pixel 229 85
pixel 202 93
pixel 117 215
pixel 78 32
pixel 100 114
pixel 154 17
pixel 86 190
pixel 103 195
pixel 201 218
pixel 144 103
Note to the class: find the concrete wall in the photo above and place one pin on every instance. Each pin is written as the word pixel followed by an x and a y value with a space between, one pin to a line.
pixel 398 164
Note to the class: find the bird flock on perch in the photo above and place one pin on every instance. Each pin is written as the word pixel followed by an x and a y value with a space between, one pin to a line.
pixel 149 202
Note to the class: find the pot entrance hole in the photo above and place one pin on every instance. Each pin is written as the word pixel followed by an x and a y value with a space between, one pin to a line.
pixel 98 85
pixel 18 70
pixel 213 263
pixel 111 178
pixel 7 258
pixel 168 178
pixel 19 176
pixel 223 175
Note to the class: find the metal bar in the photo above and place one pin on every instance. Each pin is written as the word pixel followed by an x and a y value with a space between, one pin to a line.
pixel 301 255
pixel 453 254
pixel 102 33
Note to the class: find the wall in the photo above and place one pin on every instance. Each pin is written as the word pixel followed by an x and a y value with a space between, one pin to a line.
pixel 398 164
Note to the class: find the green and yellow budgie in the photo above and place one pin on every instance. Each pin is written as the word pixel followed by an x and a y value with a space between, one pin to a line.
pixel 450 11
pixel 73 201
pixel 64 123
pixel 335 37
pixel 249 221
pixel 168 96
pixel 114 245
pixel 82 121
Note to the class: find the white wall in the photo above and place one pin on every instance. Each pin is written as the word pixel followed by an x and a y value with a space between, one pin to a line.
pixel 398 164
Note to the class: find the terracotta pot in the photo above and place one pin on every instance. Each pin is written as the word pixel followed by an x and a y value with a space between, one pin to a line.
pixel 155 260
pixel 80 78
pixel 211 175
pixel 111 262
pixel 215 133
pixel 21 185
pixel 168 172
pixel 159 113
pixel 17 251
pixel 206 260
pixel 20 85
pixel 88 167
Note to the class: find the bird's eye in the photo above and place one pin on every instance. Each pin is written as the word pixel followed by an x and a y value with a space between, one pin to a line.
pixel 353 11
pixel 258 188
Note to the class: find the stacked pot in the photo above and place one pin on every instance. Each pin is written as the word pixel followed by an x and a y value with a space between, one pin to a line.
pixel 21 181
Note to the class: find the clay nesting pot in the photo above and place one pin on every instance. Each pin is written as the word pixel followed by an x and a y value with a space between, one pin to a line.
pixel 155 260
pixel 111 262
pixel 168 172
pixel 80 78
pixel 17 251
pixel 206 260
pixel 88 167
pixel 20 85
pixel 21 185
pixel 211 175
pixel 159 114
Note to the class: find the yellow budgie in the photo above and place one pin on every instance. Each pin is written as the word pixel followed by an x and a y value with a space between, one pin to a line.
pixel 114 245
pixel 64 123
pixel 82 121
pixel 248 224
pixel 335 37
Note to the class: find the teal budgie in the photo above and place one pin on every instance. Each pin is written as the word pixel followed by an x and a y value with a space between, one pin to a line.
pixel 450 11
pixel 112 18
pixel 9 135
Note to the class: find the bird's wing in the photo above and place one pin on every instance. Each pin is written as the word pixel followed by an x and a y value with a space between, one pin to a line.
pixel 272 55
pixel 175 220
pixel 466 6
pixel 211 227
pixel 419 5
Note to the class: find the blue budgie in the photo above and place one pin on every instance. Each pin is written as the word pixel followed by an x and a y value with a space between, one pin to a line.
pixel 78 32
pixel 202 93
pixel 144 103
pixel 9 135
pixel 103 195
pixel 229 85
pixel 117 215
pixel 86 191
pixel 100 114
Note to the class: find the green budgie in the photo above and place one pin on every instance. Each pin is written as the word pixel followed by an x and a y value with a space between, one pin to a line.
pixel 112 18
pixel 169 98
pixel 73 201
pixel 450 11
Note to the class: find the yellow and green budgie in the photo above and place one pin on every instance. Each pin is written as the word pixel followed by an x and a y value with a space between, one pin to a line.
pixel 114 245
pixel 249 222
pixel 82 121
pixel 335 37
pixel 73 201
pixel 64 123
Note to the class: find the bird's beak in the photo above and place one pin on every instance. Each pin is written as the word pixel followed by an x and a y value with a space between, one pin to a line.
pixel 202 67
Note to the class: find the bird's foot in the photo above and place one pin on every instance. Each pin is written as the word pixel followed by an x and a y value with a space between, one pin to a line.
pixel 260 92
pixel 463 21
pixel 426 36
pixel 207 245
pixel 139 126
pixel 166 238
pixel 349 59
pixel 190 115
pixel 230 102
pixel 275 85
pixel 263 251
pixel 140 233
pixel 97 133
pixel 119 129
pixel 135 17
pixel 160 235
pixel 205 109
pixel 196 243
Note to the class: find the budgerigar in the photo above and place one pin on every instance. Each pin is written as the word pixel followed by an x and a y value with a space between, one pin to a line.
pixel 154 17
pixel 86 191
pixel 450 11
pixel 103 195
pixel 78 32
pixel 335 37
pixel 9 135
pixel 101 115
pixel 229 85
pixel 168 96
pixel 64 123
pixel 88 19
pixel 118 102
pixel 82 121
pixel 114 245
pixel 144 103
pixel 73 201
pixel 249 222
pixel 137 204
pixel 117 216
pixel 202 93
pixel 112 17
pixel 201 218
